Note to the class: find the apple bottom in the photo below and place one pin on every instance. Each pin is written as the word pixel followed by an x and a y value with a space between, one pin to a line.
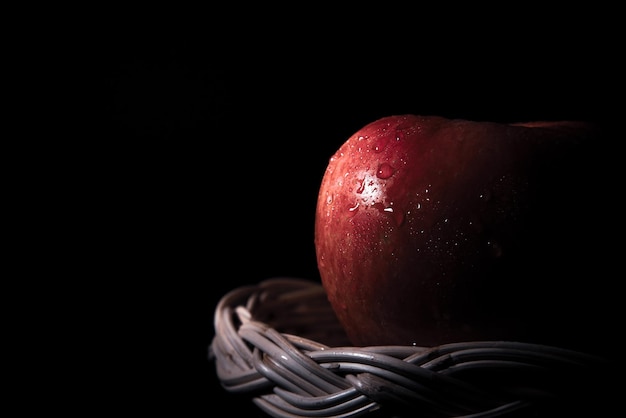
pixel 545 289
pixel 523 319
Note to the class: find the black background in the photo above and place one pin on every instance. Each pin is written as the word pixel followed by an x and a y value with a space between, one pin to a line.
pixel 217 140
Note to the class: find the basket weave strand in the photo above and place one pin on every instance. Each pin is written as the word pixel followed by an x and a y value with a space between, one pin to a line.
pixel 280 342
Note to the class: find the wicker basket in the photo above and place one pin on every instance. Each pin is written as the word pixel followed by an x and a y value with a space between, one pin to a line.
pixel 280 342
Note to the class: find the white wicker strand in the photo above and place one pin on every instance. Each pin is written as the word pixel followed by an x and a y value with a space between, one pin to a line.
pixel 346 396
pixel 274 409
pixel 499 411
pixel 232 344
pixel 325 378
pixel 404 352
pixel 499 365
pixel 310 381
pixel 421 400
pixel 400 371
pixel 535 356
pixel 421 358
pixel 283 377
pixel 304 344
pixel 233 377
pixel 324 409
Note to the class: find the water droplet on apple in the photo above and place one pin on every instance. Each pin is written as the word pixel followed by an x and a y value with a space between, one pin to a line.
pixel 495 249
pixel 380 144
pixel 361 187
pixel 322 261
pixel 385 170
pixel 352 210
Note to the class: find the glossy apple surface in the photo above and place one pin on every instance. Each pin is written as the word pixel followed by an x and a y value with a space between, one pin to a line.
pixel 431 230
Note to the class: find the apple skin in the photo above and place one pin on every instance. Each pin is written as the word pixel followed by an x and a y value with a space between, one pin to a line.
pixel 431 230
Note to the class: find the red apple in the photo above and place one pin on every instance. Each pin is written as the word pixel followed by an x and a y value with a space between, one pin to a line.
pixel 431 230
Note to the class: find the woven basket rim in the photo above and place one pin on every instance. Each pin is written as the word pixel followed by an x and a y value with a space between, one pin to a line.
pixel 279 343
